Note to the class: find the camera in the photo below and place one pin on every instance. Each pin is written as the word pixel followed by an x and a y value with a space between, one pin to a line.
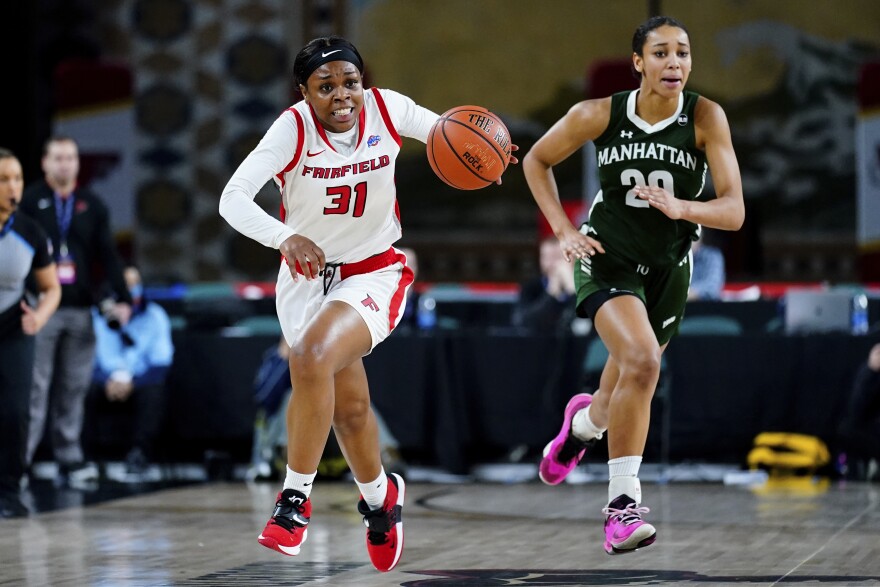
pixel 107 308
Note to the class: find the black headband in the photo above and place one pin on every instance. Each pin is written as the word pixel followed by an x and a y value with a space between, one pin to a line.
pixel 328 54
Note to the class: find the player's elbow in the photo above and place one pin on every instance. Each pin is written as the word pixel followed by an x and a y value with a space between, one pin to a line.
pixel 533 164
pixel 734 214
pixel 227 199
pixel 738 217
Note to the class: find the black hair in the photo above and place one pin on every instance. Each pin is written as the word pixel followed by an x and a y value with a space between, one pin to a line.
pixel 641 34
pixel 58 139
pixel 303 59
pixel 7 154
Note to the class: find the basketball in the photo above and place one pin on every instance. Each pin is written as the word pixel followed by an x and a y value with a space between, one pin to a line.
pixel 468 147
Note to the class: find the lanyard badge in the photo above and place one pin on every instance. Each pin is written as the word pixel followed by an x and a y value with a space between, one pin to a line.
pixel 66 266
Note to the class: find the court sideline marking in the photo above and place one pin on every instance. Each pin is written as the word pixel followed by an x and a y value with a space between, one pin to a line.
pixel 846 527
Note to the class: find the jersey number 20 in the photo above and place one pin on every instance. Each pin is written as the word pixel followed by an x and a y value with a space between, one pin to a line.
pixel 633 177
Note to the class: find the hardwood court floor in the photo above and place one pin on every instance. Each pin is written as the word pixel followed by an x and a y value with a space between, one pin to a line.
pixel 458 535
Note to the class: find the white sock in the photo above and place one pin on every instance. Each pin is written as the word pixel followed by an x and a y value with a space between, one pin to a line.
pixel 624 475
pixel 582 426
pixel 374 492
pixel 299 481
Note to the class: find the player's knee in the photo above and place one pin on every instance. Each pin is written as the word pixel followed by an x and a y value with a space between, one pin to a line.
pixel 642 367
pixel 309 361
pixel 351 416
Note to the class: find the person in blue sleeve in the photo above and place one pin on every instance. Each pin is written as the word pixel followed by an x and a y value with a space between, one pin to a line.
pixel 131 365
pixel 709 273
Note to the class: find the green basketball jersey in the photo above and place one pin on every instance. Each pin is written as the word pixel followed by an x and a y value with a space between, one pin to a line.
pixel 632 152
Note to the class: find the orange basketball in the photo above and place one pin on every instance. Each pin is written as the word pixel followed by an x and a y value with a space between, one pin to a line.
pixel 468 147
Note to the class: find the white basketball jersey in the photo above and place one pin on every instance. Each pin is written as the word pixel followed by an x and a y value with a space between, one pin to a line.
pixel 346 204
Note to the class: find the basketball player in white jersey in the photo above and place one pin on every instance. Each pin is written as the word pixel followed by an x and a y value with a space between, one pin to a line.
pixel 342 286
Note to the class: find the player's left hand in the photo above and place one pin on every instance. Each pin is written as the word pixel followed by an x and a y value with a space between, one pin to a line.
pixel 661 199
pixel 513 160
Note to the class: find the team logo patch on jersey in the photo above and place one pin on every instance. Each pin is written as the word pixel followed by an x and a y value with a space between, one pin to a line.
pixel 368 302
pixel 626 134
pixel 373 140
pixel 682 119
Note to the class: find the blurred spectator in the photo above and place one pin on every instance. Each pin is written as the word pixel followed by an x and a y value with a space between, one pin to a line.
pixel 708 276
pixel 546 302
pixel 131 365
pixel 78 225
pixel 271 393
pixel 860 429
pixel 24 249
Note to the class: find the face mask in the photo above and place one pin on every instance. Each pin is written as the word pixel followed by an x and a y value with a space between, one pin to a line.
pixel 136 291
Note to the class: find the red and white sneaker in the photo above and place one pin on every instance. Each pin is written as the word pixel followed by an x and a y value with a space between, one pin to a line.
pixel 385 526
pixel 287 529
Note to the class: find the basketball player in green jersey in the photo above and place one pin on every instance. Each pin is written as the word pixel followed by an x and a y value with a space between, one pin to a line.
pixel 633 264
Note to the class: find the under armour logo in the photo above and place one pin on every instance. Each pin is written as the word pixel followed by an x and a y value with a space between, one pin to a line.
pixel 369 303
pixel 626 134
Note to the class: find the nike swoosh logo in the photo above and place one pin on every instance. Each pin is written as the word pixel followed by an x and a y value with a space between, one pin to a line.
pixel 330 53
pixel 310 154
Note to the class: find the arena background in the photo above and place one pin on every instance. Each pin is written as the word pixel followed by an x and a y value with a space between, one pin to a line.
pixel 167 97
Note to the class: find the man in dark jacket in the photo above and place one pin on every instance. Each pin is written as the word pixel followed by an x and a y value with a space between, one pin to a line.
pixel 78 224
pixel 546 302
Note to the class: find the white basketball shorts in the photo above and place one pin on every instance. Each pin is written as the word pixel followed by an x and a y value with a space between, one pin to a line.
pixel 376 288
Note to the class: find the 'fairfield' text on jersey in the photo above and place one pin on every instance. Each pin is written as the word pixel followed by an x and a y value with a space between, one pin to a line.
pixel 342 171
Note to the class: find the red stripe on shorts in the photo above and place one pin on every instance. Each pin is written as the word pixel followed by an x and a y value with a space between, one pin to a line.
pixel 406 279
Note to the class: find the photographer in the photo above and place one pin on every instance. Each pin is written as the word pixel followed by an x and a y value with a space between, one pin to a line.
pixel 78 224
pixel 131 364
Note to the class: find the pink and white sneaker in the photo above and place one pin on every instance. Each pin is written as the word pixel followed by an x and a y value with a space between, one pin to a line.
pixel 625 531
pixel 564 452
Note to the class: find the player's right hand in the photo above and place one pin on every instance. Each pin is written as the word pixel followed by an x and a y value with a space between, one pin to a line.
pixel 576 245
pixel 298 249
